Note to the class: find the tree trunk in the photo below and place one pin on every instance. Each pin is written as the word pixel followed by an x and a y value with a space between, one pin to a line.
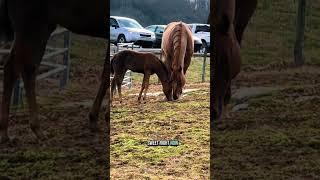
pixel 299 45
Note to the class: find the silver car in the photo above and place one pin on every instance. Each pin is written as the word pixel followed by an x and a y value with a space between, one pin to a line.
pixel 123 29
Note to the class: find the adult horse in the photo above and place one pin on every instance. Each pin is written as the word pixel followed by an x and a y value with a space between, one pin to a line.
pixel 229 19
pixel 29 25
pixel 177 48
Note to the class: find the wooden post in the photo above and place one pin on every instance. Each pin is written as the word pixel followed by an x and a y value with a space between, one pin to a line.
pixel 299 45
pixel 66 60
pixel 204 66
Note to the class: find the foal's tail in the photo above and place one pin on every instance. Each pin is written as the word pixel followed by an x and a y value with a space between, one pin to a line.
pixel 6 31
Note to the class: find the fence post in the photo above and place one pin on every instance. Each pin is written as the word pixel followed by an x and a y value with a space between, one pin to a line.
pixel 204 66
pixel 66 60
pixel 299 45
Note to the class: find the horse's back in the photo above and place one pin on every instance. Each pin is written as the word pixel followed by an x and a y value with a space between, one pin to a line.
pixel 87 17
pixel 134 61
pixel 169 37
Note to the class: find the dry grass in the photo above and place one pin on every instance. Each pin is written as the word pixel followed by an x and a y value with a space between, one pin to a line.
pixel 134 124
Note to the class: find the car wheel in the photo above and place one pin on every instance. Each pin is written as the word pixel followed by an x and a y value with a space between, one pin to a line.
pixel 122 39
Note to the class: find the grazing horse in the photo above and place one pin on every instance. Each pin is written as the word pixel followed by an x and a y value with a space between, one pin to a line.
pixel 29 25
pixel 145 63
pixel 177 48
pixel 229 19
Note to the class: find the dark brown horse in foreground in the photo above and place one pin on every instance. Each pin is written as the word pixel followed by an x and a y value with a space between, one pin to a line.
pixel 29 24
pixel 229 19
pixel 177 48
pixel 145 63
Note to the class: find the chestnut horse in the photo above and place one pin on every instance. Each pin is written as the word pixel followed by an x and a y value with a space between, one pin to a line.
pixel 145 63
pixel 29 25
pixel 229 19
pixel 177 49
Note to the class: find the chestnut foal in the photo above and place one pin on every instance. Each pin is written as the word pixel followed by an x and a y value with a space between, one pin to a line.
pixel 145 63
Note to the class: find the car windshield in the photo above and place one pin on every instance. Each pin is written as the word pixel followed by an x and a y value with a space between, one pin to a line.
pixel 129 23
pixel 161 28
pixel 202 28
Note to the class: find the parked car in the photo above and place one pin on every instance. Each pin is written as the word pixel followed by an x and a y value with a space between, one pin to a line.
pixel 202 31
pixel 123 30
pixel 159 29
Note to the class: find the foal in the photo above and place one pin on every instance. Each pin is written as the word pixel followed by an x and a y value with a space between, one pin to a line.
pixel 145 63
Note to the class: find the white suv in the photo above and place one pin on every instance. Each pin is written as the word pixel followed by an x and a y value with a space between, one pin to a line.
pixel 123 29
pixel 201 31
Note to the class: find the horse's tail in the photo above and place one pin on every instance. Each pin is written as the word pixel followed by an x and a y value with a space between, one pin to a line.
pixel 6 31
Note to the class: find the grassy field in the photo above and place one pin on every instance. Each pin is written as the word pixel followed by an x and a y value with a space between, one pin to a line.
pixel 134 124
pixel 278 135
pixel 186 120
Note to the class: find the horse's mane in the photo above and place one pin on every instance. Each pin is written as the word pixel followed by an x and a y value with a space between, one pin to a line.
pixel 177 37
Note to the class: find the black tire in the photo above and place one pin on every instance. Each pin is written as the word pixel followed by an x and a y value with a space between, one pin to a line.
pixel 121 39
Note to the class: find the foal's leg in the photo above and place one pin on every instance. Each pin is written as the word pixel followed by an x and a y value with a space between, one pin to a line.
pixel 146 82
pixel 119 83
pixel 144 85
pixel 142 88
pixel 11 74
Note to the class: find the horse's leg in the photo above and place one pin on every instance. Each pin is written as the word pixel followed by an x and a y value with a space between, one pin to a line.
pixel 140 94
pixel 11 74
pixel 244 12
pixel 142 88
pixel 31 50
pixel 119 84
pixel 104 86
pixel 146 82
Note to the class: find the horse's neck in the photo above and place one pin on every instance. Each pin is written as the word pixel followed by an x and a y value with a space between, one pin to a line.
pixel 162 73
